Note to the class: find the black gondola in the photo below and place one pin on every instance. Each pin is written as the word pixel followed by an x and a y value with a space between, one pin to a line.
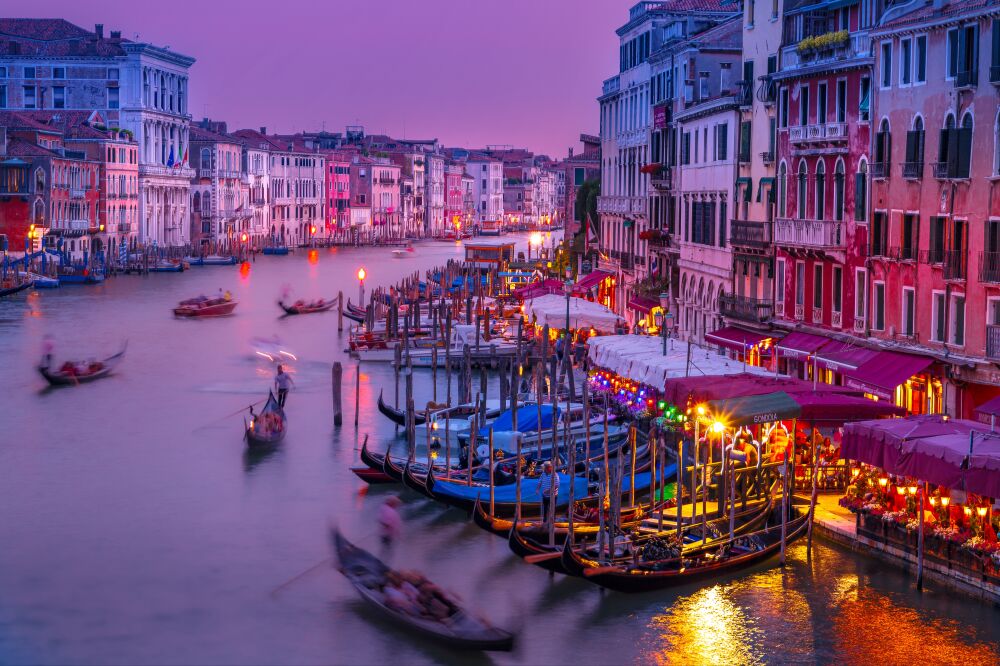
pixel 373 460
pixel 413 479
pixel 368 575
pixel 398 416
pixel 267 428
pixel 307 308
pixel 70 375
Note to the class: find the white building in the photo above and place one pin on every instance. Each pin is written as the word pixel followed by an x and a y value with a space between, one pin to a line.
pixel 487 188
pixel 434 194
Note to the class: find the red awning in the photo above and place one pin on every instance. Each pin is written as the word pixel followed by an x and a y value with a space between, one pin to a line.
pixel 882 373
pixel 733 337
pixel 643 304
pixel 844 359
pixel 652 167
pixel 538 288
pixel 590 280
pixel 989 408
pixel 835 409
pixel 799 345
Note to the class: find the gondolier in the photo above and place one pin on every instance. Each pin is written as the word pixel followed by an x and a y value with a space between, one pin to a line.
pixel 282 381
pixel 549 487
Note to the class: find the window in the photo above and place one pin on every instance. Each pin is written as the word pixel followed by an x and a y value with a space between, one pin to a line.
pixel 29 97
pixel 112 98
pixel 908 237
pixel 801 192
pixel 821 103
pixel 968 55
pixel 864 106
pixel 800 283
pixel 909 307
pixel 59 97
pixel 920 73
pixel 957 327
pixel 783 108
pixel 779 282
pixel 994 53
pixel 751 6
pixel 882 149
pixel 951 57
pixel 905 62
pixel 782 190
pixel 3 72
pixel 878 306
pixel 886 80
pixel 745 133
pixel 3 97
pixel 820 190
pixel 818 286
pixel 879 235
pixel 837 288
pixel 29 72
pixel 803 105
pixel 686 149
pixel 721 141
pixel 936 248
pixel 861 193
pixel 913 161
pixel 838 191
pixel 860 293
pixel 842 101
pixel 579 176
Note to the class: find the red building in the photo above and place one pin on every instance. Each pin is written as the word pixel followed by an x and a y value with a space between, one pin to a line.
pixel 454 205
pixel 338 189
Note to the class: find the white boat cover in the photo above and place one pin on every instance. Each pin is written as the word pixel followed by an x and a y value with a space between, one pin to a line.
pixel 640 359
pixel 551 309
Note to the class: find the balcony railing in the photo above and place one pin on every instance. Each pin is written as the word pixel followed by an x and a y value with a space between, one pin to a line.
pixel 954 265
pixel 662 180
pixel 993 342
pixel 899 253
pixel 767 157
pixel 767 91
pixel 989 267
pixel 811 234
pixel 969 79
pixel 817 132
pixel 77 193
pixel 621 205
pixel 204 173
pixel 745 308
pixel 913 169
pixel 880 169
pixel 744 93
pixel 857 46
pixel 750 233
pixel 817 315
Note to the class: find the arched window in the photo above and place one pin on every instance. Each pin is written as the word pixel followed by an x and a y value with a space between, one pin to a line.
pixel 802 189
pixel 861 192
pixel 883 147
pixel 782 190
pixel 913 161
pixel 39 180
pixel 196 202
pixel 838 191
pixel 820 190
pixel 206 158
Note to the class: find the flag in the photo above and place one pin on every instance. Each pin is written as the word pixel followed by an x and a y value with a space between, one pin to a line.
pixel 170 159
pixel 184 160
pixel 591 237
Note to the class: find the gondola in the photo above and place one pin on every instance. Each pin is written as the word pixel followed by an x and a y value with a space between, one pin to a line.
pixel 458 494
pixel 354 309
pixel 371 476
pixel 723 557
pixel 391 469
pixel 9 287
pixel 69 374
pixel 360 319
pixel 373 460
pixel 631 517
pixel 267 428
pixel 412 480
pixel 207 307
pixel 307 308
pixel 398 416
pixel 368 576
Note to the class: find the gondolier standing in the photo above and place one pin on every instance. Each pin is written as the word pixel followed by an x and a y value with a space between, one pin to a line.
pixel 549 487
pixel 282 381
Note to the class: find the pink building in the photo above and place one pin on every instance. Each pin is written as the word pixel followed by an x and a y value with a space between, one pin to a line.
pixel 454 206
pixel 338 190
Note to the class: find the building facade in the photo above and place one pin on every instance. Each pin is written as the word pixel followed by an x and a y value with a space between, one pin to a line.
pixel 487 189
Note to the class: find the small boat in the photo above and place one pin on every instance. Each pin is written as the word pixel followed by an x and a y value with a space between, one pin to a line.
pixel 205 307
pixel 70 275
pixel 275 249
pixel 267 428
pixel 211 260
pixel 407 251
pixel 301 307
pixel 165 266
pixel 369 576
pixel 72 374
pixel 398 416
pixel 11 287
pixel 369 475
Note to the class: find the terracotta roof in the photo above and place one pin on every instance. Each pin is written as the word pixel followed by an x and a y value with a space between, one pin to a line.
pixel 256 140
pixel 24 120
pixel 953 9
pixel 21 148
pixel 201 134
pixel 53 37
pixel 702 6
pixel 728 34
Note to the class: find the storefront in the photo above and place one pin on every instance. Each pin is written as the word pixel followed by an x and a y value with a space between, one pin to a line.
pixel 750 347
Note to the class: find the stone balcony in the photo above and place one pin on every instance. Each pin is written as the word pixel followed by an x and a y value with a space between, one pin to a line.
pixel 857 46
pixel 750 233
pixel 828 235
pixel 163 171
pixel 744 308
pixel 817 133
pixel 617 205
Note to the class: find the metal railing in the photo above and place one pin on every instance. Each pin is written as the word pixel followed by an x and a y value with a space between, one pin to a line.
pixel 968 79
pixel 880 169
pixel 954 265
pixel 819 234
pixel 745 308
pixel 995 74
pixel 993 342
pixel 767 157
pixel 744 93
pixel 750 233
pixel 989 267
pixel 940 170
pixel 913 169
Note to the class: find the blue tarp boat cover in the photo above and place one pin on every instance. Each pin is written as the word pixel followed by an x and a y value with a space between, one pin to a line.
pixel 527 420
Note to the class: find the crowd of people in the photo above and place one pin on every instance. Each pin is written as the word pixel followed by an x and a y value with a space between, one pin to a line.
pixel 411 593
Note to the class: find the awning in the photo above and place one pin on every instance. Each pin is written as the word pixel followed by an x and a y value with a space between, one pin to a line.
pixel 553 310
pixel 590 280
pixel 989 408
pixel 652 167
pixel 733 337
pixel 847 358
pixel 835 409
pixel 643 304
pixel 799 345
pixel 746 183
pixel 884 372
pixel 766 182
pixel 748 410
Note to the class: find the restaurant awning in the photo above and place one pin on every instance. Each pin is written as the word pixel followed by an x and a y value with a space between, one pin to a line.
pixel 835 409
pixel 799 345
pixel 643 304
pixel 754 409
pixel 844 359
pixel 989 408
pixel 881 374
pixel 733 337
pixel 539 288
pixel 591 280
pixel 678 390
pixel 552 309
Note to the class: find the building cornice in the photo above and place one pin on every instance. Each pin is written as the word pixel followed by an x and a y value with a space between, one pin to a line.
pixel 711 107
pixel 172 57
pixel 936 22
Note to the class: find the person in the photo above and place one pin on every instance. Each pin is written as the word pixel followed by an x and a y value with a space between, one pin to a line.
pixel 282 381
pixel 220 294
pixel 47 348
pixel 390 524
pixel 549 485
pixel 560 347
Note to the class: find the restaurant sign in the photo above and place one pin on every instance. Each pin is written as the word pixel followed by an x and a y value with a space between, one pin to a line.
pixel 660 116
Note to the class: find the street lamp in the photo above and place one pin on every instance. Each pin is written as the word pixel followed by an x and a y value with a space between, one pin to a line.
pixel 664 304
pixel 568 286
pixel 361 286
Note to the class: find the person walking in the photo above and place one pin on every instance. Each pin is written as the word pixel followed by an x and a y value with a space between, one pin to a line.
pixel 549 485
pixel 282 381
pixel 390 524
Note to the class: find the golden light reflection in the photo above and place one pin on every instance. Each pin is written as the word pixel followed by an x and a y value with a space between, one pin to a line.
pixel 313 257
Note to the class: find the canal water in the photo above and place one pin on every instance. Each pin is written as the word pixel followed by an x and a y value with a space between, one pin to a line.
pixel 134 530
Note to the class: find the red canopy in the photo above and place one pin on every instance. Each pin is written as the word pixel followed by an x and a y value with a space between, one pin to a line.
pixel 590 280
pixel 881 374
pixel 538 288
pixel 719 387
pixel 835 409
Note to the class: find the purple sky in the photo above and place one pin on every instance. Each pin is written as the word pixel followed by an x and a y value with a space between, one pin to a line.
pixel 469 72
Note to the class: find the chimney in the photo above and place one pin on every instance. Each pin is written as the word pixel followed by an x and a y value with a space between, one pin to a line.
pixel 263 130
pixel 571 151
pixel 116 34
pixel 99 30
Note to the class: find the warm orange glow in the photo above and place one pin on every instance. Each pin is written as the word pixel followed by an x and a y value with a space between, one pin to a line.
pixel 361 273
pixel 982 511
pixel 313 257
pixel 312 230
pixel 945 501
pixel 245 268
pixel 243 237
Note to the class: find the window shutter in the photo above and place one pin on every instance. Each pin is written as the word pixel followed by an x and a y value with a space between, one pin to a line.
pixel 911 147
pixel 951 145
pixel 964 152
pixel 722 224
pixel 723 141
pixel 963 66
pixel 995 60
pixel 859 197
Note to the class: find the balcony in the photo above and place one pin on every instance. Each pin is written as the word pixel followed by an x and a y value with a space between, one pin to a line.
pixel 663 179
pixel 750 233
pixel 899 253
pixel 817 315
pixel 235 175
pixel 836 319
pixel 800 311
pixel 621 205
pixel 880 169
pixel 993 342
pixel 767 157
pixel 810 234
pixel 857 46
pixel 77 193
pixel 744 93
pixel 205 173
pixel 744 308
pixel 989 267
pixel 767 91
pixel 124 227
pixel 163 171
pixel 859 324
pixel 386 181
pixel 610 86
pixel 954 264
pixel 969 79
pixel 913 170
pixel 818 132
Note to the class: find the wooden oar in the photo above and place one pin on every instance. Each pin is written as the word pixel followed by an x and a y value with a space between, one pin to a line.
pixel 308 571
pixel 229 416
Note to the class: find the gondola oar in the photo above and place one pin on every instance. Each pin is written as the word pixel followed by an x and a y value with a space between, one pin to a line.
pixel 308 571
pixel 228 416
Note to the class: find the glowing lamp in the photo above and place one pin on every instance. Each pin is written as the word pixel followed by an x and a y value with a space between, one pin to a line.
pixel 701 410
pixel 967 510
pixel 945 418
pixel 855 472
pixel 945 501
pixel 661 404
pixel 982 511
pixel 883 481
pixel 244 237
pixel 312 230
pixel 933 501
pixel 718 426
pixel 900 490
pixel 434 455
pixel 434 426
pixel 361 274
pixel 102 227
pixel 912 490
